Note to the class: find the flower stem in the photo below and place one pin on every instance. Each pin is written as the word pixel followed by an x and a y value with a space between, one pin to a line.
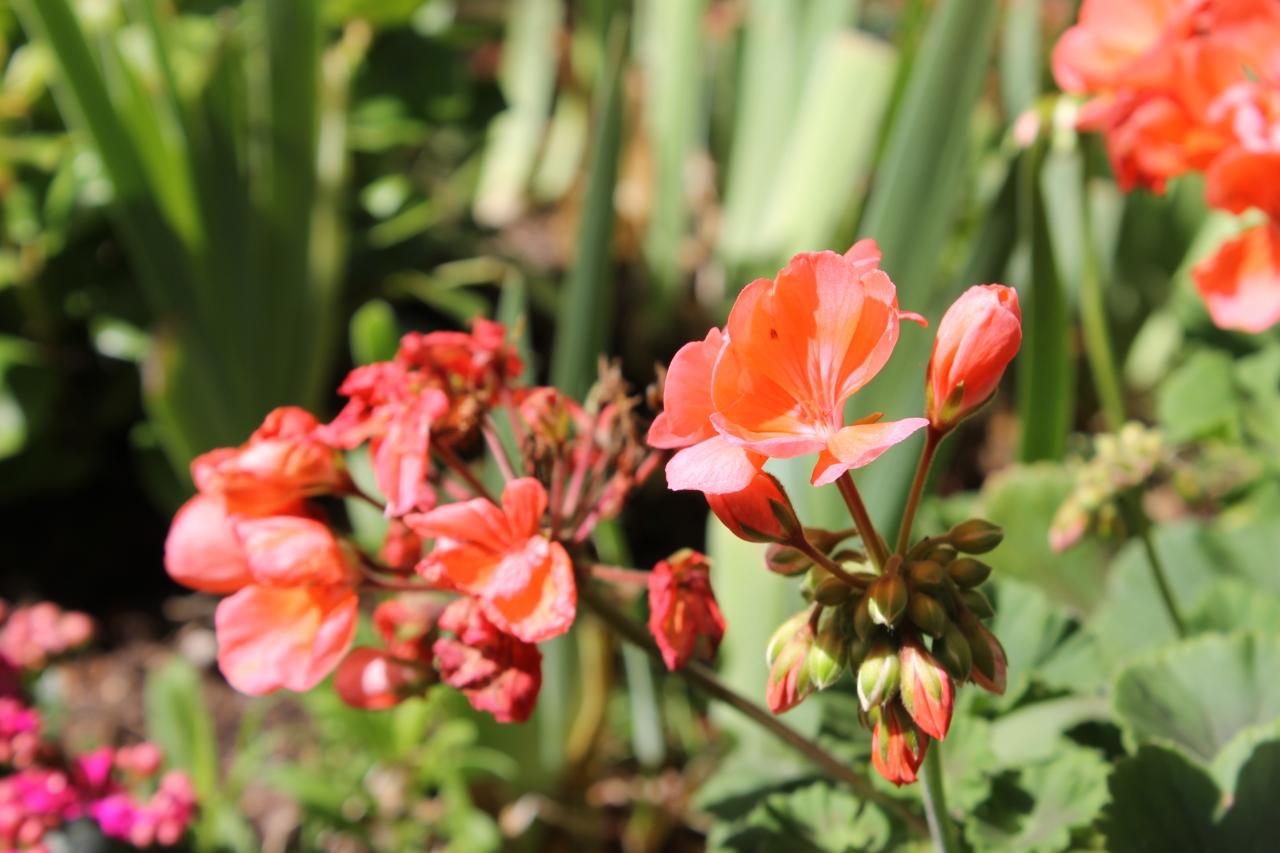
pixel 933 793
pixel 1097 339
pixel 457 466
pixel 1142 524
pixel 705 679
pixel 861 518
pixel 804 546
pixel 932 438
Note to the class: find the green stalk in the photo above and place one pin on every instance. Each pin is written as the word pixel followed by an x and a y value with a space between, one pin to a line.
pixel 1097 339
pixel 705 679
pixel 1138 519
pixel 862 519
pixel 932 439
pixel 933 794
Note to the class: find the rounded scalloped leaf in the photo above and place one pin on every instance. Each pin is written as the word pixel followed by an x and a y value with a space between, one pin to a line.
pixel 1200 694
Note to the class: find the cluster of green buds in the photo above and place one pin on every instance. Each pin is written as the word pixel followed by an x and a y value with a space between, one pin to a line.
pixel 1122 464
pixel 909 635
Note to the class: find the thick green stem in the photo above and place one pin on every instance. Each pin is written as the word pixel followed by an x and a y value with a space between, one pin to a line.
pixel 933 793
pixel 706 680
pixel 932 439
pixel 1097 337
pixel 862 519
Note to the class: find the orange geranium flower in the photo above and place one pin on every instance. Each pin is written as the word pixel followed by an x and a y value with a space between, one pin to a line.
pixel 1154 68
pixel 798 348
pixel 706 461
pixel 499 555
pixel 283 462
pixel 977 338
pixel 1240 283
pixel 292 614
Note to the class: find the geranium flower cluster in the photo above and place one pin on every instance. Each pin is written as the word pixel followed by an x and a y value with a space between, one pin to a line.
pixel 42 787
pixel 775 384
pixel 1182 86
pixel 499 574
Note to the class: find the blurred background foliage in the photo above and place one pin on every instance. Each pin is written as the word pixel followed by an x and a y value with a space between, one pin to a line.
pixel 209 209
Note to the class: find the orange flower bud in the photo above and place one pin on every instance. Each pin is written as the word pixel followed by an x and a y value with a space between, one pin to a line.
pixel 790 679
pixel 977 338
pixel 897 746
pixel 761 512
pixel 927 691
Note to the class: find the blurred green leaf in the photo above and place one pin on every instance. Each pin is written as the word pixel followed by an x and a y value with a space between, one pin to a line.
pixel 1201 693
pixel 1160 801
pixel 813 816
pixel 1023 500
pixel 375 335
pixel 1197 400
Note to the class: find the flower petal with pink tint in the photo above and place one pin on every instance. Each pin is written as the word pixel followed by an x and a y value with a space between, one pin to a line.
pixel 686 395
pixel 270 637
pixel 861 444
pixel 1240 284
pixel 202 551
pixel 291 550
pixel 714 466
pixel 539 598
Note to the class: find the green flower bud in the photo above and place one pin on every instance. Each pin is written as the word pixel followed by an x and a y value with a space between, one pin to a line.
pixel 863 624
pixel 968 572
pixel 942 554
pixel 828 653
pixel 926 574
pixel 989 662
pixel 878 676
pixel 783 635
pixel 785 560
pixel 927 614
pixel 887 600
pixel 831 591
pixel 975 536
pixel 952 651
pixel 979 605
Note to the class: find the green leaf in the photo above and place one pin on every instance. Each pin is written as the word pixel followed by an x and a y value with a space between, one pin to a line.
pixel 1031 628
pixel 527 77
pixel 1201 693
pixel 1160 802
pixel 1250 826
pixel 1131 620
pixel 1198 399
pixel 1066 792
pixel 1023 500
pixel 813 816
pixel 374 333
pixel 586 301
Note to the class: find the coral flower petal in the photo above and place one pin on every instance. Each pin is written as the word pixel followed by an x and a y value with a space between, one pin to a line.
pixel 202 552
pixel 714 466
pixel 1240 284
pixel 290 550
pixel 861 444
pixel 687 395
pixel 544 604
pixel 270 637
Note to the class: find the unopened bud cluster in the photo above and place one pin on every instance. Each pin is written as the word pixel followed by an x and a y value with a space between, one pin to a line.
pixel 908 635
pixel 1122 463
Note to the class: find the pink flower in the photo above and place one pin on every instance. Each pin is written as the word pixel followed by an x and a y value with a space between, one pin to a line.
pixel 499 554
pixel 683 613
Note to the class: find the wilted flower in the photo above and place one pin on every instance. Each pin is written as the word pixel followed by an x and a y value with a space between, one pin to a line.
pixel 284 462
pixel 683 613
pixel 495 671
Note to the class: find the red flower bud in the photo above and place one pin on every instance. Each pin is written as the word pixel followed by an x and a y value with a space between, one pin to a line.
pixel 977 338
pixel 682 608
pixel 897 746
pixel 989 662
pixel 371 679
pixel 788 656
pixel 926 688
pixel 761 512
